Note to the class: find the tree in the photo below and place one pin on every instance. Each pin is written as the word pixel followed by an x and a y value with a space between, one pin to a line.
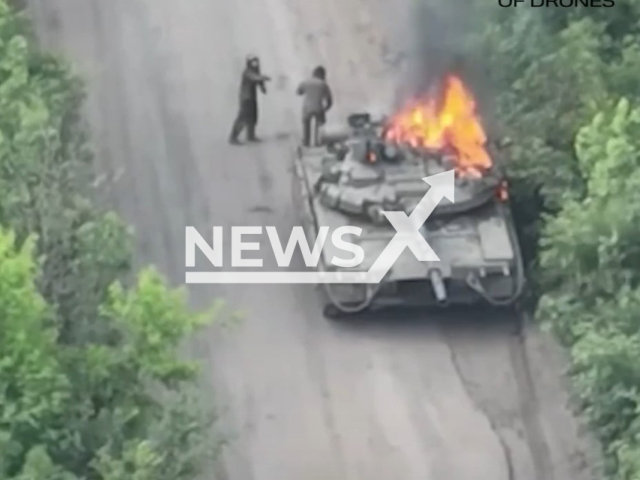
pixel 106 410
pixel 45 175
pixel 590 257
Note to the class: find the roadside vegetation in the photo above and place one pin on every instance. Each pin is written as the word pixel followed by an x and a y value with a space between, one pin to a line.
pixel 91 386
pixel 567 89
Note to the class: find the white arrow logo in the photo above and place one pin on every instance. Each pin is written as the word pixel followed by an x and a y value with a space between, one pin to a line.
pixel 408 227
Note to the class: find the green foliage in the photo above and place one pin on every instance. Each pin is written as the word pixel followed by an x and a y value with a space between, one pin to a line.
pixel 154 322
pixel 101 410
pixel 552 71
pixel 44 177
pixel 91 386
pixel 590 259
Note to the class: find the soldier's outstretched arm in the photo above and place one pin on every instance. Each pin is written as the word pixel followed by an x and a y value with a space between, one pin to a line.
pixel 256 77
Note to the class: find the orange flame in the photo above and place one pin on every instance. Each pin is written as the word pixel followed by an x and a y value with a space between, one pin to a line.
pixel 450 126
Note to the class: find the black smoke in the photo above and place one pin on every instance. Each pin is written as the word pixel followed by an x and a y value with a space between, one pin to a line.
pixel 437 43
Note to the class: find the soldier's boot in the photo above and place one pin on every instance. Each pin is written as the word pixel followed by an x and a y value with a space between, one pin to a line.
pixel 251 133
pixel 235 132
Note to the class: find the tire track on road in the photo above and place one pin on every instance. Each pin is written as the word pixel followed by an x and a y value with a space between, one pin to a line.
pixel 530 406
pixel 505 447
pixel 528 410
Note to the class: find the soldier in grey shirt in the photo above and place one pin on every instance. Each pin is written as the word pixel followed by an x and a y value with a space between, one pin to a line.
pixel 317 100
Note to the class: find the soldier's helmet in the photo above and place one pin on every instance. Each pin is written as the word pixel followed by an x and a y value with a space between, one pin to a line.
pixel 320 72
pixel 253 61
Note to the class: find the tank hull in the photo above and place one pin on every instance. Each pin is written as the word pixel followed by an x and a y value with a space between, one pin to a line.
pixel 420 293
pixel 480 260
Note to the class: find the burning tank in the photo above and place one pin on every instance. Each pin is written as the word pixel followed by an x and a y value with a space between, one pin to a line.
pixel 373 167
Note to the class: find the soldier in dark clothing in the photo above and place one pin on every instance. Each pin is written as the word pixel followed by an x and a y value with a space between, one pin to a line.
pixel 247 117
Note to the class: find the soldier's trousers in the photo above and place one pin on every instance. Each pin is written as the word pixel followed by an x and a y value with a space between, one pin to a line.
pixel 316 120
pixel 247 118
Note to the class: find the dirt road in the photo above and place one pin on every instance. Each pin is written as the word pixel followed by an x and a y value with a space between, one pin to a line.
pixel 460 396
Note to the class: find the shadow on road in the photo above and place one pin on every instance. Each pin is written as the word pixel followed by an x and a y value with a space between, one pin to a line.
pixel 414 321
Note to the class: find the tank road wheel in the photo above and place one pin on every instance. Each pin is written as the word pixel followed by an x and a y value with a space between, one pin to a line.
pixel 332 312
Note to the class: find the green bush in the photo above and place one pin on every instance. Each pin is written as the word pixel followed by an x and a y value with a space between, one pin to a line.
pixel 590 260
pixel 92 411
pixel 45 173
